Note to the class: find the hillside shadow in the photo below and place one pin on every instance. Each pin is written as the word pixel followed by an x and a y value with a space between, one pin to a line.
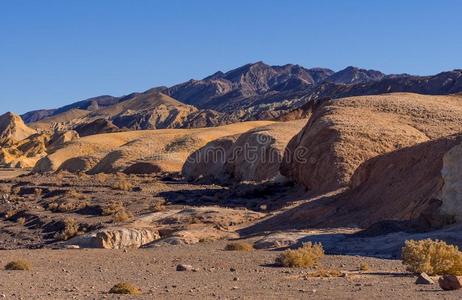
pixel 258 197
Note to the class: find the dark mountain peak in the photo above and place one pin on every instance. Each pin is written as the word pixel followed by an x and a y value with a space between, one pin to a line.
pixel 215 76
pixel 353 75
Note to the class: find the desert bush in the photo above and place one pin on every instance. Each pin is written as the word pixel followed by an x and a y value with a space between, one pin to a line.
pixel 306 256
pixel 71 229
pixel 125 288
pixel 18 265
pixel 157 206
pixel 123 185
pixel 69 202
pixel 112 208
pixel 122 216
pixel 239 246
pixel 432 257
pixel 101 177
pixel 326 273
pixel 117 210
pixel 363 267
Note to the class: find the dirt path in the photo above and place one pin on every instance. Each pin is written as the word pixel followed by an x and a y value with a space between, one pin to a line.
pixel 89 274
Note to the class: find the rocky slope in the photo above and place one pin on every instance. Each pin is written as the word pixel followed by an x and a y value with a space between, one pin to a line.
pixel 148 110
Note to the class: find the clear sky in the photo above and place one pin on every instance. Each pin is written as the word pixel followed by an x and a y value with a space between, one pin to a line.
pixel 56 52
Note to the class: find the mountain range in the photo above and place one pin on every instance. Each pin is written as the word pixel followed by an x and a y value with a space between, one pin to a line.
pixel 252 92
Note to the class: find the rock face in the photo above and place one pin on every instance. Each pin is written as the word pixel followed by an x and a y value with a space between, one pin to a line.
pixel 252 156
pixel 20 146
pixel 13 129
pixel 417 186
pixel 344 133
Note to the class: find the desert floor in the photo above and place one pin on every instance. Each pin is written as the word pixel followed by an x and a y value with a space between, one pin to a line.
pixel 89 274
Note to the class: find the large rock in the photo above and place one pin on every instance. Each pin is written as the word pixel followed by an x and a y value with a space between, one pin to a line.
pixel 116 238
pixel 252 156
pixel 344 133
pixel 450 282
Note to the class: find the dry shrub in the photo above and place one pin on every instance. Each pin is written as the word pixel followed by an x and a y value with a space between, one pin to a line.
pixel 122 216
pixel 326 273
pixel 157 206
pixel 21 221
pixel 122 185
pixel 306 256
pixel 117 210
pixel 432 257
pixel 101 177
pixel 71 229
pixel 18 265
pixel 239 246
pixel 125 288
pixel 363 267
pixel 69 202
pixel 112 208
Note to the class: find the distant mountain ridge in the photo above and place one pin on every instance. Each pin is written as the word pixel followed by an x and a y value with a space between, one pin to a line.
pixel 251 92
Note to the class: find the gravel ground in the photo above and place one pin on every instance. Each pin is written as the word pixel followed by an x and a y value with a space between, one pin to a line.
pixel 89 274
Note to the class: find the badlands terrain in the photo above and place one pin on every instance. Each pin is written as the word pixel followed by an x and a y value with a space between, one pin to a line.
pixel 195 190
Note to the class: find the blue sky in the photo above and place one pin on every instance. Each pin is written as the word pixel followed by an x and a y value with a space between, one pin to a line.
pixel 56 52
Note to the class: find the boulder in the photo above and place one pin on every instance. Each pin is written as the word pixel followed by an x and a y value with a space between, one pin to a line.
pixel 116 238
pixel 450 282
pixel 423 278
pixel 341 134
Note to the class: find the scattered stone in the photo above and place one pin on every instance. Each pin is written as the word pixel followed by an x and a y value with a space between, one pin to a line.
pixel 450 282
pixel 184 268
pixel 423 278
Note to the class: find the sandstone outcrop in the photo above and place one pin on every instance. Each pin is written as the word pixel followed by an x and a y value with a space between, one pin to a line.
pixel 116 238
pixel 157 150
pixel 251 156
pixel 344 133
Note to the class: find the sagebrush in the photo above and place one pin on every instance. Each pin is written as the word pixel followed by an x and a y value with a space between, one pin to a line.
pixel 239 246
pixel 18 265
pixel 125 288
pixel 432 257
pixel 306 256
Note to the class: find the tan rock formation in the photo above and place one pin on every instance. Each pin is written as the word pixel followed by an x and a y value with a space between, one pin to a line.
pixel 342 134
